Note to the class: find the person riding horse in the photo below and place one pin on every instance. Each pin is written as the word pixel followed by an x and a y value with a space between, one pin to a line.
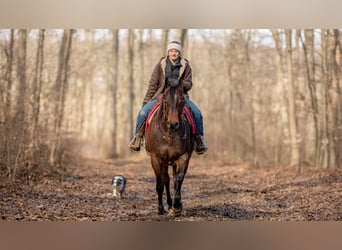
pixel 172 69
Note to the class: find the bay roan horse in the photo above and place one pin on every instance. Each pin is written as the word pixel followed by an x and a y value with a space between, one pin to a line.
pixel 169 141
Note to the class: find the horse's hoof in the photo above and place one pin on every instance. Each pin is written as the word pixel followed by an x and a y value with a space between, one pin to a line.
pixel 175 212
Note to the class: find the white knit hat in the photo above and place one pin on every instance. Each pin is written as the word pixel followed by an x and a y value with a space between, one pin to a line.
pixel 174 45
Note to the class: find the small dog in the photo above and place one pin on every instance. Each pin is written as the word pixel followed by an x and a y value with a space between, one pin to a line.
pixel 119 185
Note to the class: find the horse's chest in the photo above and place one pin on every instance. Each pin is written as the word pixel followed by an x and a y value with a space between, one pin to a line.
pixel 170 149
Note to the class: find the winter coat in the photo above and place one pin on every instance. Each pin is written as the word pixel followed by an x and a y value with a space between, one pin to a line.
pixel 157 81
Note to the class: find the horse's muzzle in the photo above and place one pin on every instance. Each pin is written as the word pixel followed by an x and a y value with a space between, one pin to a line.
pixel 172 125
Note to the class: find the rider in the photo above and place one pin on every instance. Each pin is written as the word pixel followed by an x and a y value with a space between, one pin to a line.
pixel 170 68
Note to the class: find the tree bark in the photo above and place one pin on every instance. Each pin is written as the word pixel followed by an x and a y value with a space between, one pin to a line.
pixel 324 157
pixel 60 91
pixel 8 120
pixel 20 107
pixel 283 113
pixel 249 91
pixel 338 73
pixel 291 102
pixel 309 49
pixel 20 128
pixel 7 86
pixel 37 86
pixel 182 37
pixel 114 87
pixel 331 103
pixel 130 67
pixel 333 98
pixel 165 40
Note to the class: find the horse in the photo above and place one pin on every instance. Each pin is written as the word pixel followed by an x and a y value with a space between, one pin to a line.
pixel 169 141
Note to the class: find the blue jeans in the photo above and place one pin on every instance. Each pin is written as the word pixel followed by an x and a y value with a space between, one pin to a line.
pixel 143 113
pixel 145 110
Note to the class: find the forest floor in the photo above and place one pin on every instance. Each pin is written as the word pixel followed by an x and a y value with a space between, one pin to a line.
pixel 212 191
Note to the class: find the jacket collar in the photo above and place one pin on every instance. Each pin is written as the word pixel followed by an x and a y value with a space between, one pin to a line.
pixel 183 62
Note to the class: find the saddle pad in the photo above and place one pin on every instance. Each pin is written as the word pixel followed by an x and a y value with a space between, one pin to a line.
pixel 151 114
pixel 186 111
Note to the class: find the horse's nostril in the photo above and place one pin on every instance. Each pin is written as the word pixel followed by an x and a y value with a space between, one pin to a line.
pixel 174 125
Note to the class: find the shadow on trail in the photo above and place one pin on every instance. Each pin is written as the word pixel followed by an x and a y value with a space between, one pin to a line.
pixel 227 212
pixel 321 181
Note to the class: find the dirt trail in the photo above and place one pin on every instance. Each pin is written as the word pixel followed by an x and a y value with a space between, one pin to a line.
pixel 212 191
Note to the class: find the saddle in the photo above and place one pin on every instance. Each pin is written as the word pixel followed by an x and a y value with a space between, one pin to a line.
pixel 187 113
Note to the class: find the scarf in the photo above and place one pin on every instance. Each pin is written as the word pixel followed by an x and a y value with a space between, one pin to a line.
pixel 172 70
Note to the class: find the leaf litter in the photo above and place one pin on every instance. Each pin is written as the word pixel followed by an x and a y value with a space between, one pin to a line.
pixel 212 191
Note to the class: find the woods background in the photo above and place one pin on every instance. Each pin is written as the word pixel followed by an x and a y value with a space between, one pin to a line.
pixel 268 97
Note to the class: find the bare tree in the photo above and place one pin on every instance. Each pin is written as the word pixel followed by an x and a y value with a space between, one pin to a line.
pixel 182 37
pixel 283 121
pixel 130 70
pixel 8 121
pixel 250 92
pixel 309 49
pixel 336 94
pixel 8 78
pixel 19 120
pixel 37 86
pixel 114 87
pixel 165 40
pixel 21 97
pixel 291 101
pixel 60 91
pixel 332 98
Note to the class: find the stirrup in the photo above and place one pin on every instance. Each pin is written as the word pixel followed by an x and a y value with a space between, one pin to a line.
pixel 135 143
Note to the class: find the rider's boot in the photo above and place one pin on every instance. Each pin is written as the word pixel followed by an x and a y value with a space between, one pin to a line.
pixel 201 146
pixel 136 142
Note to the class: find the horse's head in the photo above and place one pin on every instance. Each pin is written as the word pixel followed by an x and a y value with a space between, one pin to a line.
pixel 173 105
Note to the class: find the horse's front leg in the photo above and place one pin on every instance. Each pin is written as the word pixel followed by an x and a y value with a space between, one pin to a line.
pixel 179 172
pixel 157 167
pixel 160 190
pixel 166 178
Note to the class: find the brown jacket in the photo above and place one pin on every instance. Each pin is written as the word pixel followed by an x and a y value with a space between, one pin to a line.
pixel 157 81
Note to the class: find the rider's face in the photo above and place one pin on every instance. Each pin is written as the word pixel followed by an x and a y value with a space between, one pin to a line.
pixel 173 54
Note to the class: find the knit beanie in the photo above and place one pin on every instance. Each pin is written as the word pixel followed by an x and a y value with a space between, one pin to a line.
pixel 174 45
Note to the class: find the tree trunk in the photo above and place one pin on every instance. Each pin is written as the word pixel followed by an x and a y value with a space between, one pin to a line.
pixel 182 37
pixel 9 67
pixel 9 147
pixel 331 105
pixel 283 114
pixel 114 87
pixel 250 97
pixel 291 102
pixel 60 91
pixel 324 157
pixel 19 119
pixel 309 49
pixel 334 98
pixel 37 85
pixel 338 94
pixel 130 67
pixel 20 108
pixel 165 40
